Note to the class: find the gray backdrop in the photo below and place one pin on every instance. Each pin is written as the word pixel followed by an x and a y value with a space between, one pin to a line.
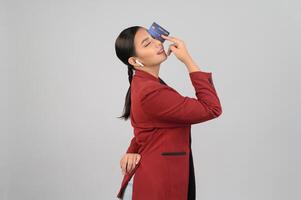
pixel 62 89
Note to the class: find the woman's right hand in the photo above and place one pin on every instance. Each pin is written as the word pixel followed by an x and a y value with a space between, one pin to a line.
pixel 129 161
pixel 178 48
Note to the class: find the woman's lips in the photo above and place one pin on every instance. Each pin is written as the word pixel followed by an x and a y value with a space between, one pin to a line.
pixel 160 51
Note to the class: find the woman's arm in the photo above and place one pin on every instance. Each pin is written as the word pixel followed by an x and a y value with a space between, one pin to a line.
pixel 163 103
pixel 131 157
pixel 133 147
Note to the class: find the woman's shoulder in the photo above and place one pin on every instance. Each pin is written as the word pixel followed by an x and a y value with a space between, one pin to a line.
pixel 142 87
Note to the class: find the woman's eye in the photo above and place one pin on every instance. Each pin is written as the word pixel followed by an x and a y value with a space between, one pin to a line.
pixel 147 44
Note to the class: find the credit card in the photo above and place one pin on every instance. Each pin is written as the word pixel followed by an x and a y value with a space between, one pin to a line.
pixel 155 30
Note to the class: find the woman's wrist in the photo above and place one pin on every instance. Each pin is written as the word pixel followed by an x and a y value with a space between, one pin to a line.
pixel 191 65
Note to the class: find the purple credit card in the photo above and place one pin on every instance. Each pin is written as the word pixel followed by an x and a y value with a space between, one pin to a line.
pixel 156 30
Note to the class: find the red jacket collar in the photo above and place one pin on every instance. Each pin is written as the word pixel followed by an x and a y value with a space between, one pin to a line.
pixel 144 74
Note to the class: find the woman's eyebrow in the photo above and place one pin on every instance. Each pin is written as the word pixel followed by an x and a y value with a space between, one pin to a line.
pixel 144 40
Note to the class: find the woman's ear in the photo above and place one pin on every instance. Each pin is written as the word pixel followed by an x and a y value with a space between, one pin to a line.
pixel 131 60
pixel 135 62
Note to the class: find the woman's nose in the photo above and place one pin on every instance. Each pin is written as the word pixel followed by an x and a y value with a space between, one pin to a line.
pixel 158 43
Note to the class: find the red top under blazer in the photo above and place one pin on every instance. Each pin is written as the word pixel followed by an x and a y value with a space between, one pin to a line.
pixel 162 119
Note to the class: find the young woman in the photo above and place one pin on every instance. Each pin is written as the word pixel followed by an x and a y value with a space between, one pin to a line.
pixel 158 164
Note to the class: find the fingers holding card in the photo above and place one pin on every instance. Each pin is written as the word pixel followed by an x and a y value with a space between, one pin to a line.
pixel 156 31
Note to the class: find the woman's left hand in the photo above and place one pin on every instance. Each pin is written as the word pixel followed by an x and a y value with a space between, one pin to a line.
pixel 129 161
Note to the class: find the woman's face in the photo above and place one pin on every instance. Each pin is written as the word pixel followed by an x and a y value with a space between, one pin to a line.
pixel 148 48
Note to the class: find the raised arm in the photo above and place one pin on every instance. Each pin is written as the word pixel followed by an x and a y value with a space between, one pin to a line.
pixel 165 104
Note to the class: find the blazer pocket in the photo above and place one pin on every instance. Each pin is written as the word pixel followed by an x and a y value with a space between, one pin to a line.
pixel 173 153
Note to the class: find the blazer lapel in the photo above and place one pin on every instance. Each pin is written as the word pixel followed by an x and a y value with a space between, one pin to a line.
pixel 147 75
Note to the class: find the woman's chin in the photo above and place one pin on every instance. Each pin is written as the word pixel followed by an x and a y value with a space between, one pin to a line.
pixel 164 57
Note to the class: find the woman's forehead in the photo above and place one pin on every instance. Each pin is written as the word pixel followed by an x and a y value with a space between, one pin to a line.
pixel 141 35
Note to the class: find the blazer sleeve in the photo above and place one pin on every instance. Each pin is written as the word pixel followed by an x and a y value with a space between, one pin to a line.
pixel 165 104
pixel 133 147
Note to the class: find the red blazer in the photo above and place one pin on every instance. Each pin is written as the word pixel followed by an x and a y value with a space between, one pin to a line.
pixel 162 119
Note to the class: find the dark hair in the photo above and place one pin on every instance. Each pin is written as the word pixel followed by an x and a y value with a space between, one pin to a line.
pixel 125 48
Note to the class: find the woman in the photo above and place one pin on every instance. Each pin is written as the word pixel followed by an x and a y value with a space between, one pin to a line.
pixel 159 154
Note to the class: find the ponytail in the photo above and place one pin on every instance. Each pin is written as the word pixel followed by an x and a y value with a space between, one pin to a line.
pixel 130 73
pixel 127 105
